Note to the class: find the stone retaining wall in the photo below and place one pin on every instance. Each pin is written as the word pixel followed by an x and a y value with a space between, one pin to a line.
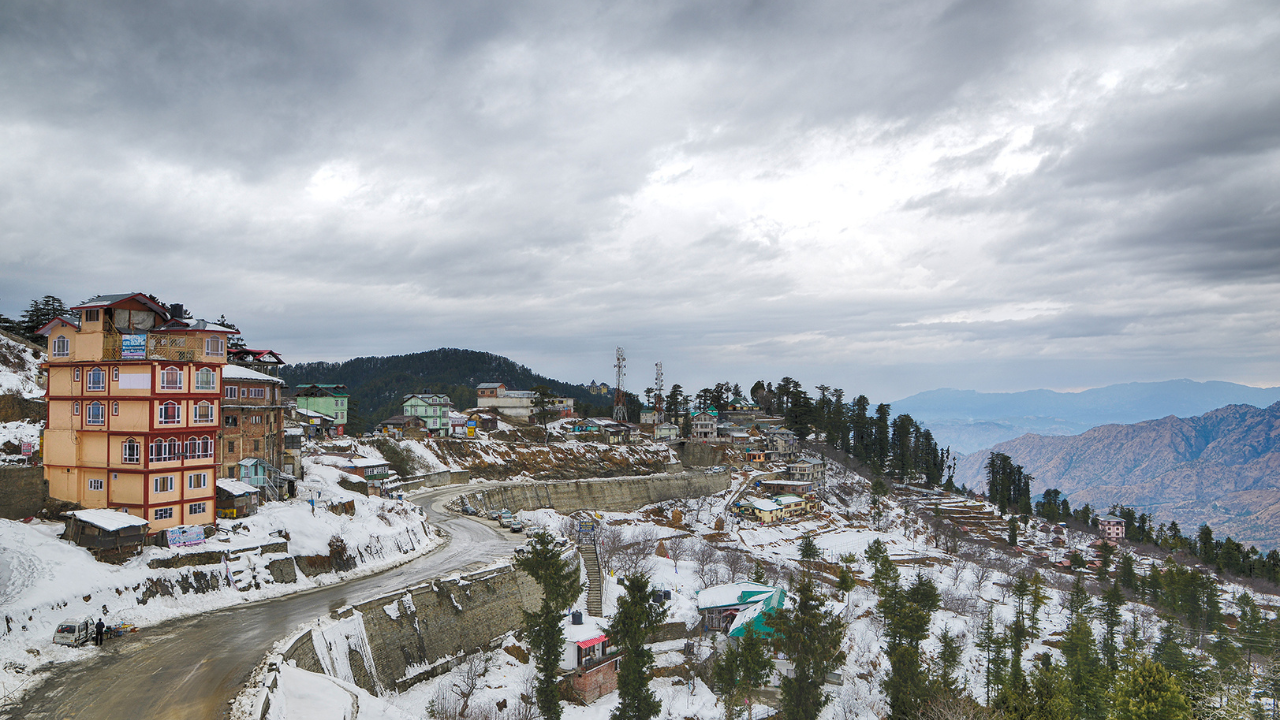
pixel 415 633
pixel 623 494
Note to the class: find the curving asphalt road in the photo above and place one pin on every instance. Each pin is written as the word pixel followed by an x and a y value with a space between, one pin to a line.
pixel 191 668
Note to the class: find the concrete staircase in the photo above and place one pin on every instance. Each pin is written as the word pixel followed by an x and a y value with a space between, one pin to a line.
pixel 595 581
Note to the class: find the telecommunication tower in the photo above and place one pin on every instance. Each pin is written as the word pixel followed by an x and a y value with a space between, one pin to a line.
pixel 620 395
pixel 659 416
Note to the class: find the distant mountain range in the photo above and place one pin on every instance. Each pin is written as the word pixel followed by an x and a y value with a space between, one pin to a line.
pixel 378 384
pixel 968 421
pixel 1221 467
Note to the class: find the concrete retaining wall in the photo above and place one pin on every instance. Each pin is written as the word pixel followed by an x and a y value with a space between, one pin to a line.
pixel 622 494
pixel 430 480
pixel 415 633
pixel 23 491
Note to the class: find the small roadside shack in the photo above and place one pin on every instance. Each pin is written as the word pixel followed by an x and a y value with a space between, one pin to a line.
pixel 111 535
pixel 236 499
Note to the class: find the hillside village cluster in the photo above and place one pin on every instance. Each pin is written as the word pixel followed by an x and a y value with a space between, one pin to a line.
pixel 160 433
pixel 157 416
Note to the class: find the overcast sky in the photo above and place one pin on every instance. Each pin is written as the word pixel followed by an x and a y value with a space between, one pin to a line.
pixel 885 196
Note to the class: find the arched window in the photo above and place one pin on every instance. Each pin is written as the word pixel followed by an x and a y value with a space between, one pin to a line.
pixel 95 413
pixel 171 379
pixel 129 451
pixel 172 449
pixel 61 346
pixel 155 451
pixel 206 446
pixel 96 380
pixel 203 412
pixel 170 413
pixel 206 379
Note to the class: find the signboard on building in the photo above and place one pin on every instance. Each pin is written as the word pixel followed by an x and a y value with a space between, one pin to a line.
pixel 133 346
pixel 185 535
pixel 586 526
pixel 28 448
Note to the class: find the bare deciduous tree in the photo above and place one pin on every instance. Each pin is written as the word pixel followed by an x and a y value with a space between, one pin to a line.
pixel 738 565
pixel 469 679
pixel 608 546
pixel 636 557
pixel 708 559
pixel 678 548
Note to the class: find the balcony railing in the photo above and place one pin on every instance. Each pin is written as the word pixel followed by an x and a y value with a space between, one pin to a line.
pixel 157 347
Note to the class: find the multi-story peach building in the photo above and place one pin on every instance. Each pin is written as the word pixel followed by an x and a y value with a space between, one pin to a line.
pixel 134 400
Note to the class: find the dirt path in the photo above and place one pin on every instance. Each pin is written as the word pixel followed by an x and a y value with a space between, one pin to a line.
pixel 193 667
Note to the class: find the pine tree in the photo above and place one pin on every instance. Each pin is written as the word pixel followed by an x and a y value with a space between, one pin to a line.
pixel 1078 602
pixel 809 549
pixel 1039 598
pixel 558 579
pixel 1112 602
pixel 40 312
pixel 1084 670
pixel 741 671
pixel 907 613
pixel 629 630
pixel 991 643
pixel 1148 692
pixel 810 638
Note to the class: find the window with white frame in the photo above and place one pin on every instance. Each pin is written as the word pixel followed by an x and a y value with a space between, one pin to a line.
pixel 162 450
pixel 255 420
pixel 197 481
pixel 75 408
pixel 258 393
pixel 115 408
pixel 61 346
pixel 203 412
pixel 230 392
pixel 206 379
pixel 171 379
pixel 96 483
pixel 115 374
pixel 77 374
pixel 173 448
pixel 201 447
pixel 130 451
pixel 213 345
pixel 97 379
pixel 162 484
pixel 164 513
pixel 95 413
pixel 197 508
pixel 170 413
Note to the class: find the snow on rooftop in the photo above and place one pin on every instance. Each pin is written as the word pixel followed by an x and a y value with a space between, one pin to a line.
pixel 235 487
pixel 766 505
pixel 235 372
pixel 109 520
pixel 721 595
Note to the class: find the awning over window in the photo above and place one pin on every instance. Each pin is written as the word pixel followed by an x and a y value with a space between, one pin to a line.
pixel 584 644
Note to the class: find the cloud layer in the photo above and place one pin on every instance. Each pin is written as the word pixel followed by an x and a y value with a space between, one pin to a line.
pixel 883 196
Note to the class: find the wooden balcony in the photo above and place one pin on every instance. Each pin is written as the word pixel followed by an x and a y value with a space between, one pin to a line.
pixel 158 347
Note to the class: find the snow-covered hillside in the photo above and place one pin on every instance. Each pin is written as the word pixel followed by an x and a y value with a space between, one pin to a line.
pixel 19 369
pixel 44 580
pixel 699 544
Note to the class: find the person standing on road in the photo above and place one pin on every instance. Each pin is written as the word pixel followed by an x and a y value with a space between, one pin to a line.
pixel 98 630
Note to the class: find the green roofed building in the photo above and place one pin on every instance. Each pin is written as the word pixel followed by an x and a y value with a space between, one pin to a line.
pixel 325 399
pixel 734 607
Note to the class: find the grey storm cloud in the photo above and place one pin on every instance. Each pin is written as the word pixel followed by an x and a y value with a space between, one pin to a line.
pixel 889 196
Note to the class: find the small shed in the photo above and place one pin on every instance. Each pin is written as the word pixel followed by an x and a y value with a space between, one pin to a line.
pixel 236 499
pixel 108 534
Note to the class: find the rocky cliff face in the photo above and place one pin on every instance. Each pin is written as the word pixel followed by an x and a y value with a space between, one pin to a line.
pixel 1222 468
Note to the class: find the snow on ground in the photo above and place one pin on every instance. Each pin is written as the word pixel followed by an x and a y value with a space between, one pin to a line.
pixel 44 580
pixel 19 369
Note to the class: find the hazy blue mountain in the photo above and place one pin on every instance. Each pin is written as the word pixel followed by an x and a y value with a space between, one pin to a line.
pixel 968 421
pixel 1221 467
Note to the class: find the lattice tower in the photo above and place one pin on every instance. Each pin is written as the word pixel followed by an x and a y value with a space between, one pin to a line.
pixel 620 395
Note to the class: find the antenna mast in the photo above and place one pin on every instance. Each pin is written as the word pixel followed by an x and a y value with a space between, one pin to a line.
pixel 620 395
pixel 659 416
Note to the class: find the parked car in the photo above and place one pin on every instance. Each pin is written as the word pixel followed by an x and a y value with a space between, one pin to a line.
pixel 505 520
pixel 494 514
pixel 73 632
pixel 517 526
